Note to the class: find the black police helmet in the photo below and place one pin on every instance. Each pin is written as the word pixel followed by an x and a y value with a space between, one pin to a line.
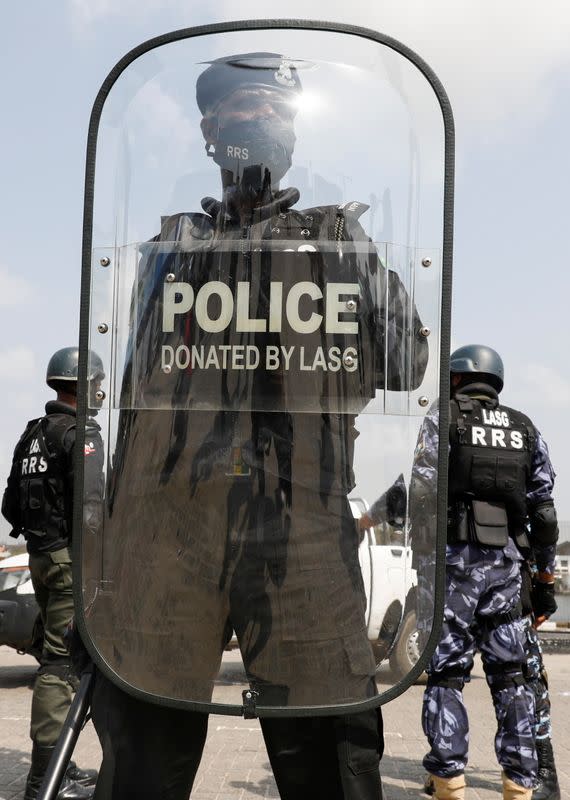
pixel 225 75
pixel 479 360
pixel 63 367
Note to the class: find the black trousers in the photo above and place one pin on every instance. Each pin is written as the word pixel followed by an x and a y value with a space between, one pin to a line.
pixel 152 752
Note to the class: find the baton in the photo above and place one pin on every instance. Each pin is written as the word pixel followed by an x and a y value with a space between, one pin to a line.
pixel 65 746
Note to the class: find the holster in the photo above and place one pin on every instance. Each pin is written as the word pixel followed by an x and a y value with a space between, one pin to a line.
pixel 457 524
pixel 521 539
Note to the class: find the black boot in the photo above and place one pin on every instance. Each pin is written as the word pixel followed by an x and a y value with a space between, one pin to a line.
pixel 86 777
pixel 70 790
pixel 548 788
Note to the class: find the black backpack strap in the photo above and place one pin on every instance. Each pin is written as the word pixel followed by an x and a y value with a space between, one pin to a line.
pixel 457 419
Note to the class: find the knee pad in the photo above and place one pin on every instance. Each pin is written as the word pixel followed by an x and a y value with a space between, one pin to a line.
pixel 452 678
pixel 503 676
pixel 61 669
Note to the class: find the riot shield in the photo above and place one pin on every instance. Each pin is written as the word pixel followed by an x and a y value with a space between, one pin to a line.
pixel 266 278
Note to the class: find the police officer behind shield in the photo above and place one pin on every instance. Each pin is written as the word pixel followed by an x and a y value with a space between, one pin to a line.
pixel 500 503
pixel 271 487
pixel 38 504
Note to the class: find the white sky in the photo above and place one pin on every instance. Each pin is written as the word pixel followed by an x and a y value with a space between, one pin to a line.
pixel 506 68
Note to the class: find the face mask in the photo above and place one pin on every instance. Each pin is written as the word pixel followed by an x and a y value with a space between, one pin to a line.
pixel 261 144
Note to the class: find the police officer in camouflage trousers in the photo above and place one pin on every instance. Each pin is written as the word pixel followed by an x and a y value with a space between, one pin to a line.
pixel 38 504
pixel 500 487
pixel 537 606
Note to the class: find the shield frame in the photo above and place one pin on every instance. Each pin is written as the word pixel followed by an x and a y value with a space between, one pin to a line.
pixel 444 377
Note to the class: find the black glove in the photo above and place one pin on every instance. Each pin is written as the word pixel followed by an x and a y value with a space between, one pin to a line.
pixel 543 600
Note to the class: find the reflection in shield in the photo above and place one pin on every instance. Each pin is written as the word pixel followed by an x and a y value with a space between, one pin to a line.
pixel 269 360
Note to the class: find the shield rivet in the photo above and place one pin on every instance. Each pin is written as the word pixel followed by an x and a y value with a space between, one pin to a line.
pixel 351 305
pixel 305 232
pixel 100 394
pixel 167 368
pixel 423 401
pixel 425 331
pixel 248 695
pixel 102 327
pixel 349 361
pixel 170 277
pixel 426 262
pixel 104 261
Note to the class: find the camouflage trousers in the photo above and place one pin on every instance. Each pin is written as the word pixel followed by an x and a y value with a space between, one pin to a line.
pixel 482 587
pixel 538 681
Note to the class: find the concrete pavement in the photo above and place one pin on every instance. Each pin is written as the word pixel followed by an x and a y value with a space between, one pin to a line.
pixel 235 765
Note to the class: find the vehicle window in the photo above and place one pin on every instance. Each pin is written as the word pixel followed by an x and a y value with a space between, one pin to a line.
pixel 384 534
pixel 397 536
pixel 381 535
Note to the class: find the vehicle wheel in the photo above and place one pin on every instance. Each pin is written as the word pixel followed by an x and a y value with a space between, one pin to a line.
pixel 406 652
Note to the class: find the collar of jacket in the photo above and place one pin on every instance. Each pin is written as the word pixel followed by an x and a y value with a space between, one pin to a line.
pixel 479 391
pixel 57 407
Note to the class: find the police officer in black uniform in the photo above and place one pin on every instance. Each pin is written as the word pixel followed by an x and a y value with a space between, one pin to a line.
pixel 38 504
pixel 263 491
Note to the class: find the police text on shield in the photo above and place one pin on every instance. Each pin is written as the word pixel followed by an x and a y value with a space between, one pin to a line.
pixel 180 299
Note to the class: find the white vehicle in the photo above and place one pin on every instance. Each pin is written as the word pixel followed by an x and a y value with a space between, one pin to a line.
pixel 390 584
pixel 389 581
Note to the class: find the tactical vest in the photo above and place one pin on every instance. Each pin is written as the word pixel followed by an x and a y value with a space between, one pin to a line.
pixel 489 468
pixel 44 498
pixel 311 364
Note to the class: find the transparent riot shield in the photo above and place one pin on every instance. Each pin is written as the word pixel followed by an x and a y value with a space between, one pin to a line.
pixel 266 280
